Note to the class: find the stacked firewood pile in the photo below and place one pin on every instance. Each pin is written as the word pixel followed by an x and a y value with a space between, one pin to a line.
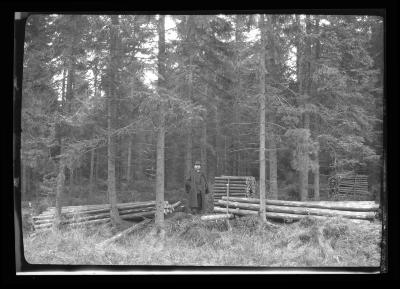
pixel 239 186
pixel 349 186
pixel 294 210
pixel 96 214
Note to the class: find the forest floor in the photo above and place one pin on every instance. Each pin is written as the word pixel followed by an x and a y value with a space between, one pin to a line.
pixel 333 242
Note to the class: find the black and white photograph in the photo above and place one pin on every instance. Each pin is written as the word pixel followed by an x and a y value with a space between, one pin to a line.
pixel 228 140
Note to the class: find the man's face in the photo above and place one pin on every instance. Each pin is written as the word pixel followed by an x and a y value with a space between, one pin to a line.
pixel 197 167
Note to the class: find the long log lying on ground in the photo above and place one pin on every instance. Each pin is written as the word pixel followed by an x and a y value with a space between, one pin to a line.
pixel 91 222
pixel 358 206
pixel 134 216
pixel 125 213
pixel 224 193
pixel 82 218
pixel 125 232
pixel 216 217
pixel 301 210
pixel 241 212
pixel 235 211
pixel 232 177
pixel 94 212
pixel 230 188
pixel 231 183
pixel 121 208
pixel 98 213
pixel 104 207
pixel 279 216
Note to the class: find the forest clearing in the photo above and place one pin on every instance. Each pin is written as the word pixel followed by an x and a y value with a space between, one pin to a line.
pixel 205 140
pixel 309 243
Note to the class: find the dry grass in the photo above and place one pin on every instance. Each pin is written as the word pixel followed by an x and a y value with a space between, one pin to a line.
pixel 189 241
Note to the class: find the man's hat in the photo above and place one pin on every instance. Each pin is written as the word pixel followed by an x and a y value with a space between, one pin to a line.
pixel 197 163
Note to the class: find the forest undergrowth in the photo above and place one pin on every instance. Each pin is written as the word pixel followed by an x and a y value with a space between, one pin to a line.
pixel 333 242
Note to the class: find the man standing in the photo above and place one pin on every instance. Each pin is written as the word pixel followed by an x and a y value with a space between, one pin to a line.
pixel 197 188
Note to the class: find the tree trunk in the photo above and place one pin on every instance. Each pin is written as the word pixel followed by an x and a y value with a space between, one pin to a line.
pixel 112 190
pixel 139 163
pixel 159 218
pixel 97 165
pixel 217 142
pixel 262 100
pixel 92 156
pixel 273 166
pixel 159 215
pixel 226 166
pixel 189 141
pixel 316 177
pixel 118 164
pixel 203 151
pixel 314 90
pixel 273 78
pixel 129 165
pixel 188 155
pixel 302 80
pixel 71 177
pixel 60 184
pixel 238 87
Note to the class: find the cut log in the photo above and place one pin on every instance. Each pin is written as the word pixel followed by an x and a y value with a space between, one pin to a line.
pixel 231 188
pixel 232 177
pixel 231 183
pixel 239 184
pixel 134 216
pixel 125 232
pixel 216 217
pixel 281 216
pixel 361 206
pixel 301 210
pixel 105 205
pixel 96 211
pixel 230 192
pixel 81 218
pixel 97 221
pixel 235 211
pixel 220 181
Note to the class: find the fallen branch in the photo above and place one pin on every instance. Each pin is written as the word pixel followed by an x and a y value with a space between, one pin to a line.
pixel 125 232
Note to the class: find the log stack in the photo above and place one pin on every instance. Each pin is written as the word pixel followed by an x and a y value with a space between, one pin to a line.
pixel 239 186
pixel 293 210
pixel 350 186
pixel 97 214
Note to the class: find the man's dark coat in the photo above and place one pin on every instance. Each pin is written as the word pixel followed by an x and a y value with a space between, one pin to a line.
pixel 195 184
